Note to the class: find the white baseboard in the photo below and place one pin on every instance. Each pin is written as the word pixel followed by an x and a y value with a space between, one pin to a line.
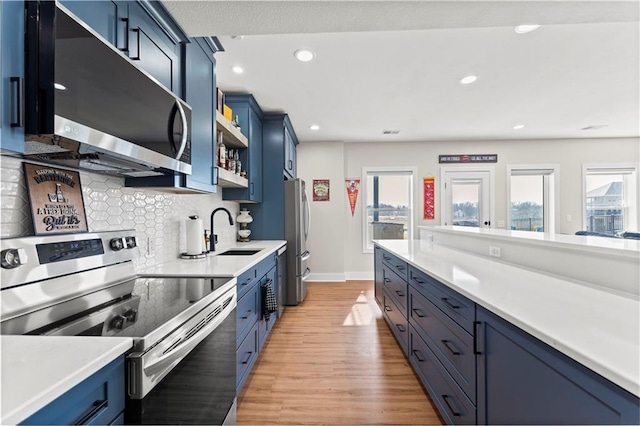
pixel 367 275
pixel 336 277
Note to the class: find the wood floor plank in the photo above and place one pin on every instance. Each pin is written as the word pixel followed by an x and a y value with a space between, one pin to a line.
pixel 333 360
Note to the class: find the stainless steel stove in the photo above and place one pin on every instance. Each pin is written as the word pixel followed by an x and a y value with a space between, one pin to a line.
pixel 183 329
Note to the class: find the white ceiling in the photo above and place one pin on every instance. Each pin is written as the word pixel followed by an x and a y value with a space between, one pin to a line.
pixel 385 65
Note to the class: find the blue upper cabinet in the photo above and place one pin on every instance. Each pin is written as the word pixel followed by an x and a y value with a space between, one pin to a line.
pixel 12 69
pixel 282 143
pixel 250 120
pixel 142 30
pixel 290 150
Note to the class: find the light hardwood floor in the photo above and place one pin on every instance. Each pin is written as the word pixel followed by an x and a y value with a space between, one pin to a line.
pixel 333 360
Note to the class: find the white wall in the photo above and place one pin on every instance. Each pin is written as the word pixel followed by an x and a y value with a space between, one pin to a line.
pixel 570 154
pixel 158 217
pixel 328 218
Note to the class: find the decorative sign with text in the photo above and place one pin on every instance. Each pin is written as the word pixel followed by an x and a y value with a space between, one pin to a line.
pixel 353 185
pixel 476 158
pixel 321 190
pixel 56 200
pixel 429 197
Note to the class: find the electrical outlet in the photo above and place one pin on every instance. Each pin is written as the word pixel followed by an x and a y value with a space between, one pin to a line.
pixel 494 251
pixel 501 224
pixel 569 218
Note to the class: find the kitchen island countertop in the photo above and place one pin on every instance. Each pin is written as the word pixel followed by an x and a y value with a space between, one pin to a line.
pixel 38 369
pixel 214 265
pixel 598 327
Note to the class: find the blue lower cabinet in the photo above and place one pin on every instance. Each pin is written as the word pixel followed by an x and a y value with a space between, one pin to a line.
pixel 523 380
pixel 267 319
pixel 246 355
pixel 397 321
pixel 98 400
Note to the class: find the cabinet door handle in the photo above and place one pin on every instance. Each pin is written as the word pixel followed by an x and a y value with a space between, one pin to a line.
pixel 125 48
pixel 247 357
pixel 251 188
pixel 97 406
pixel 401 328
pixel 450 304
pixel 447 344
pixel 418 313
pixel 446 398
pixel 290 166
pixel 478 338
pixel 387 308
pixel 399 293
pixel 136 57
pixel 18 101
pixel 247 314
pixel 418 355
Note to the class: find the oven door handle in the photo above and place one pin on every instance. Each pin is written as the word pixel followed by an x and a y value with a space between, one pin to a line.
pixel 182 349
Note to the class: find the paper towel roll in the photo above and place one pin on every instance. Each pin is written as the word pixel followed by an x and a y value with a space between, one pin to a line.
pixel 195 236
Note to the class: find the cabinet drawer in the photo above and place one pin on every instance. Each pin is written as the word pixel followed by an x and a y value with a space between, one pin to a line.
pixel 396 287
pixel 246 313
pixel 455 305
pixel 396 264
pixel 452 403
pixel 97 400
pixel 449 342
pixel 397 321
pixel 246 355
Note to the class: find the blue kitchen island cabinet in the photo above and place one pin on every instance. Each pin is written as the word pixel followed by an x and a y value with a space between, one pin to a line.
pixel 98 400
pixel 249 115
pixel 523 380
pixel 12 111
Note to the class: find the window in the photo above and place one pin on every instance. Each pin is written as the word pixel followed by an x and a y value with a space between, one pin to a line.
pixel 610 199
pixel 532 197
pixel 389 205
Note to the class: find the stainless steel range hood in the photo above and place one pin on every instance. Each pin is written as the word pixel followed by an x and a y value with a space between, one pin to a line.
pixel 90 107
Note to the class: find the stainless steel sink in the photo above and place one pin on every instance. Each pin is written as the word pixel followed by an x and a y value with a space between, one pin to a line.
pixel 239 252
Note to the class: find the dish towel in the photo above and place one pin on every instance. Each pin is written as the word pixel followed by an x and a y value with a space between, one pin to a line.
pixel 269 304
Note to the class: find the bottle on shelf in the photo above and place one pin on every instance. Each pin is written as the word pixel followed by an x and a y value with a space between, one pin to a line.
pixel 231 164
pixel 222 152
pixel 238 164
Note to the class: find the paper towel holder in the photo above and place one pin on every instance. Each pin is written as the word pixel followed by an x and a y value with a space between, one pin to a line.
pixel 194 256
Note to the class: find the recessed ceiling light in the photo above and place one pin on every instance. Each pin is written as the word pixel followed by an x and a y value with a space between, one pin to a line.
pixel 518 127
pixel 303 55
pixel 523 29
pixel 314 127
pixel 237 69
pixel 468 79
pixel 59 86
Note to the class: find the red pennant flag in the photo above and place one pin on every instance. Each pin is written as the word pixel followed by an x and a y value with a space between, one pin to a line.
pixel 353 185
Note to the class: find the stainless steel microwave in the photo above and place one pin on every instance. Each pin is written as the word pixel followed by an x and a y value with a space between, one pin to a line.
pixel 90 107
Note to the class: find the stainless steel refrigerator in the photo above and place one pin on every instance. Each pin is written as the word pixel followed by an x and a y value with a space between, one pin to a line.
pixel 296 232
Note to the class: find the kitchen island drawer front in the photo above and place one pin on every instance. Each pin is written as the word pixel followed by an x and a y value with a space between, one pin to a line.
pixel 451 344
pixel 397 321
pixel 97 400
pixel 451 401
pixel 455 305
pixel 396 264
pixel 247 312
pixel 246 356
pixel 396 287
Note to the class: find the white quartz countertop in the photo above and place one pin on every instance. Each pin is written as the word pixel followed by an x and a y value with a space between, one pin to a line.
pixel 214 265
pixel 597 327
pixel 38 369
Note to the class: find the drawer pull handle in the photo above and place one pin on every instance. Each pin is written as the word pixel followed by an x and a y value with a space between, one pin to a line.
pixel 96 407
pixel 418 313
pixel 450 304
pixel 417 280
pixel 446 398
pixel 418 355
pixel 399 293
pixel 247 358
pixel 387 280
pixel 401 328
pixel 402 268
pixel 386 257
pixel 447 344
pixel 387 308
pixel 247 314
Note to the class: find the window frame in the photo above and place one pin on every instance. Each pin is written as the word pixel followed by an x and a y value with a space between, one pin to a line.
pixel 631 185
pixel 550 192
pixel 410 171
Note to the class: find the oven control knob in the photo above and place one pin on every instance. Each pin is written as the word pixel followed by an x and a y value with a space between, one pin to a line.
pixel 117 322
pixel 131 242
pixel 131 315
pixel 117 244
pixel 12 258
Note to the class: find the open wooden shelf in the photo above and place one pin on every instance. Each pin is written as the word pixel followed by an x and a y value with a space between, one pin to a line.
pixel 226 179
pixel 232 137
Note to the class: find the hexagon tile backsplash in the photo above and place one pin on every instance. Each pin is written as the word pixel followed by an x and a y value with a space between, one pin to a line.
pixel 158 217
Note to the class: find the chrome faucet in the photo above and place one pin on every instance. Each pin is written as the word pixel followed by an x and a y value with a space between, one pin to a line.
pixel 214 237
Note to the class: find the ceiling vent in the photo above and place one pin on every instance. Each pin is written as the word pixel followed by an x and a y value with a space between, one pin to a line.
pixel 390 132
